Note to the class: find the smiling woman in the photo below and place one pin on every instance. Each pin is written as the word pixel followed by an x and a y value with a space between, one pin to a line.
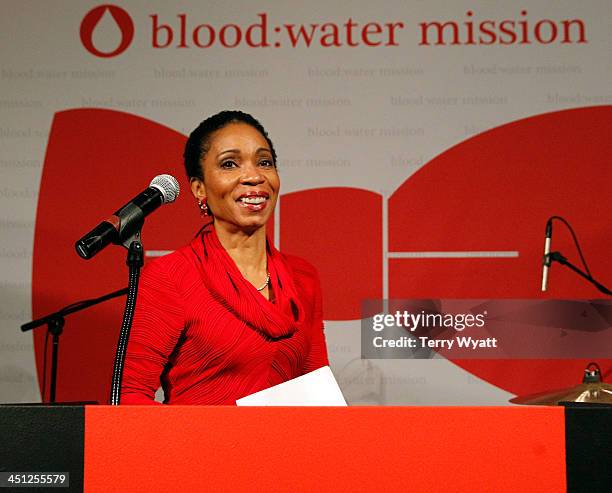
pixel 240 182
pixel 227 315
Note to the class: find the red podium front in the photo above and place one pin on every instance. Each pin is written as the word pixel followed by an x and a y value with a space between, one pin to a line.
pixel 193 448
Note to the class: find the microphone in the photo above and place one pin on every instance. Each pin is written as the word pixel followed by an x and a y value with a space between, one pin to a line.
pixel 124 223
pixel 546 259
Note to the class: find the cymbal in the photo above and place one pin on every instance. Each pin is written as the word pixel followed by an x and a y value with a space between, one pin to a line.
pixel 585 392
pixel 592 389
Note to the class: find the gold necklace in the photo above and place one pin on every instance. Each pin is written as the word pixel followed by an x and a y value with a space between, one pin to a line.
pixel 265 283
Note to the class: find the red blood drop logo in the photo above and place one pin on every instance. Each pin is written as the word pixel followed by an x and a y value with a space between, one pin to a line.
pixel 91 20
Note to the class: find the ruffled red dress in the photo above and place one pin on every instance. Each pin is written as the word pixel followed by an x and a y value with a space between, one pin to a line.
pixel 204 333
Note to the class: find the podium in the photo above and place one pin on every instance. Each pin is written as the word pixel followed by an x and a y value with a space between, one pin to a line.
pixel 201 448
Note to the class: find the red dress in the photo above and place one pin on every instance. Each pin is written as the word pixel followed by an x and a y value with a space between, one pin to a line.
pixel 210 337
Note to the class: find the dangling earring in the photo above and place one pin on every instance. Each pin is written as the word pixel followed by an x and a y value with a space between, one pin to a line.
pixel 203 207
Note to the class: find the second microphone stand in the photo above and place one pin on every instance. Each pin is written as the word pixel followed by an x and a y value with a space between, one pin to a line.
pixel 557 257
pixel 55 324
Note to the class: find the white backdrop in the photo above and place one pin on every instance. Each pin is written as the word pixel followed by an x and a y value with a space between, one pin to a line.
pixel 356 116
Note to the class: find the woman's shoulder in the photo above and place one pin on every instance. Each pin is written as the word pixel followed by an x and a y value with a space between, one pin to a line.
pixel 175 264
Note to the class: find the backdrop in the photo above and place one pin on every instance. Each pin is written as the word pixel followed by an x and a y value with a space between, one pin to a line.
pixel 422 146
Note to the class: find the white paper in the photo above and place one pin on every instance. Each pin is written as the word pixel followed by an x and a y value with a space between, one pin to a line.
pixel 317 388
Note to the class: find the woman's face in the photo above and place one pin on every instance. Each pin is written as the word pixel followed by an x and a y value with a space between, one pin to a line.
pixel 241 184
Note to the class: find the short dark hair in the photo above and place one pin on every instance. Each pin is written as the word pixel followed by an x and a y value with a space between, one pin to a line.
pixel 198 142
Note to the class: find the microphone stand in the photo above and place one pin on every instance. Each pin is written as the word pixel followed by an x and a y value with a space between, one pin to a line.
pixel 134 261
pixel 557 257
pixel 55 324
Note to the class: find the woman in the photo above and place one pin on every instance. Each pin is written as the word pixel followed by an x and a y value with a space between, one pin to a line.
pixel 227 315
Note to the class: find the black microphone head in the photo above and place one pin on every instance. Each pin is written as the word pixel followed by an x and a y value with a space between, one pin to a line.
pixel 548 232
pixel 168 187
